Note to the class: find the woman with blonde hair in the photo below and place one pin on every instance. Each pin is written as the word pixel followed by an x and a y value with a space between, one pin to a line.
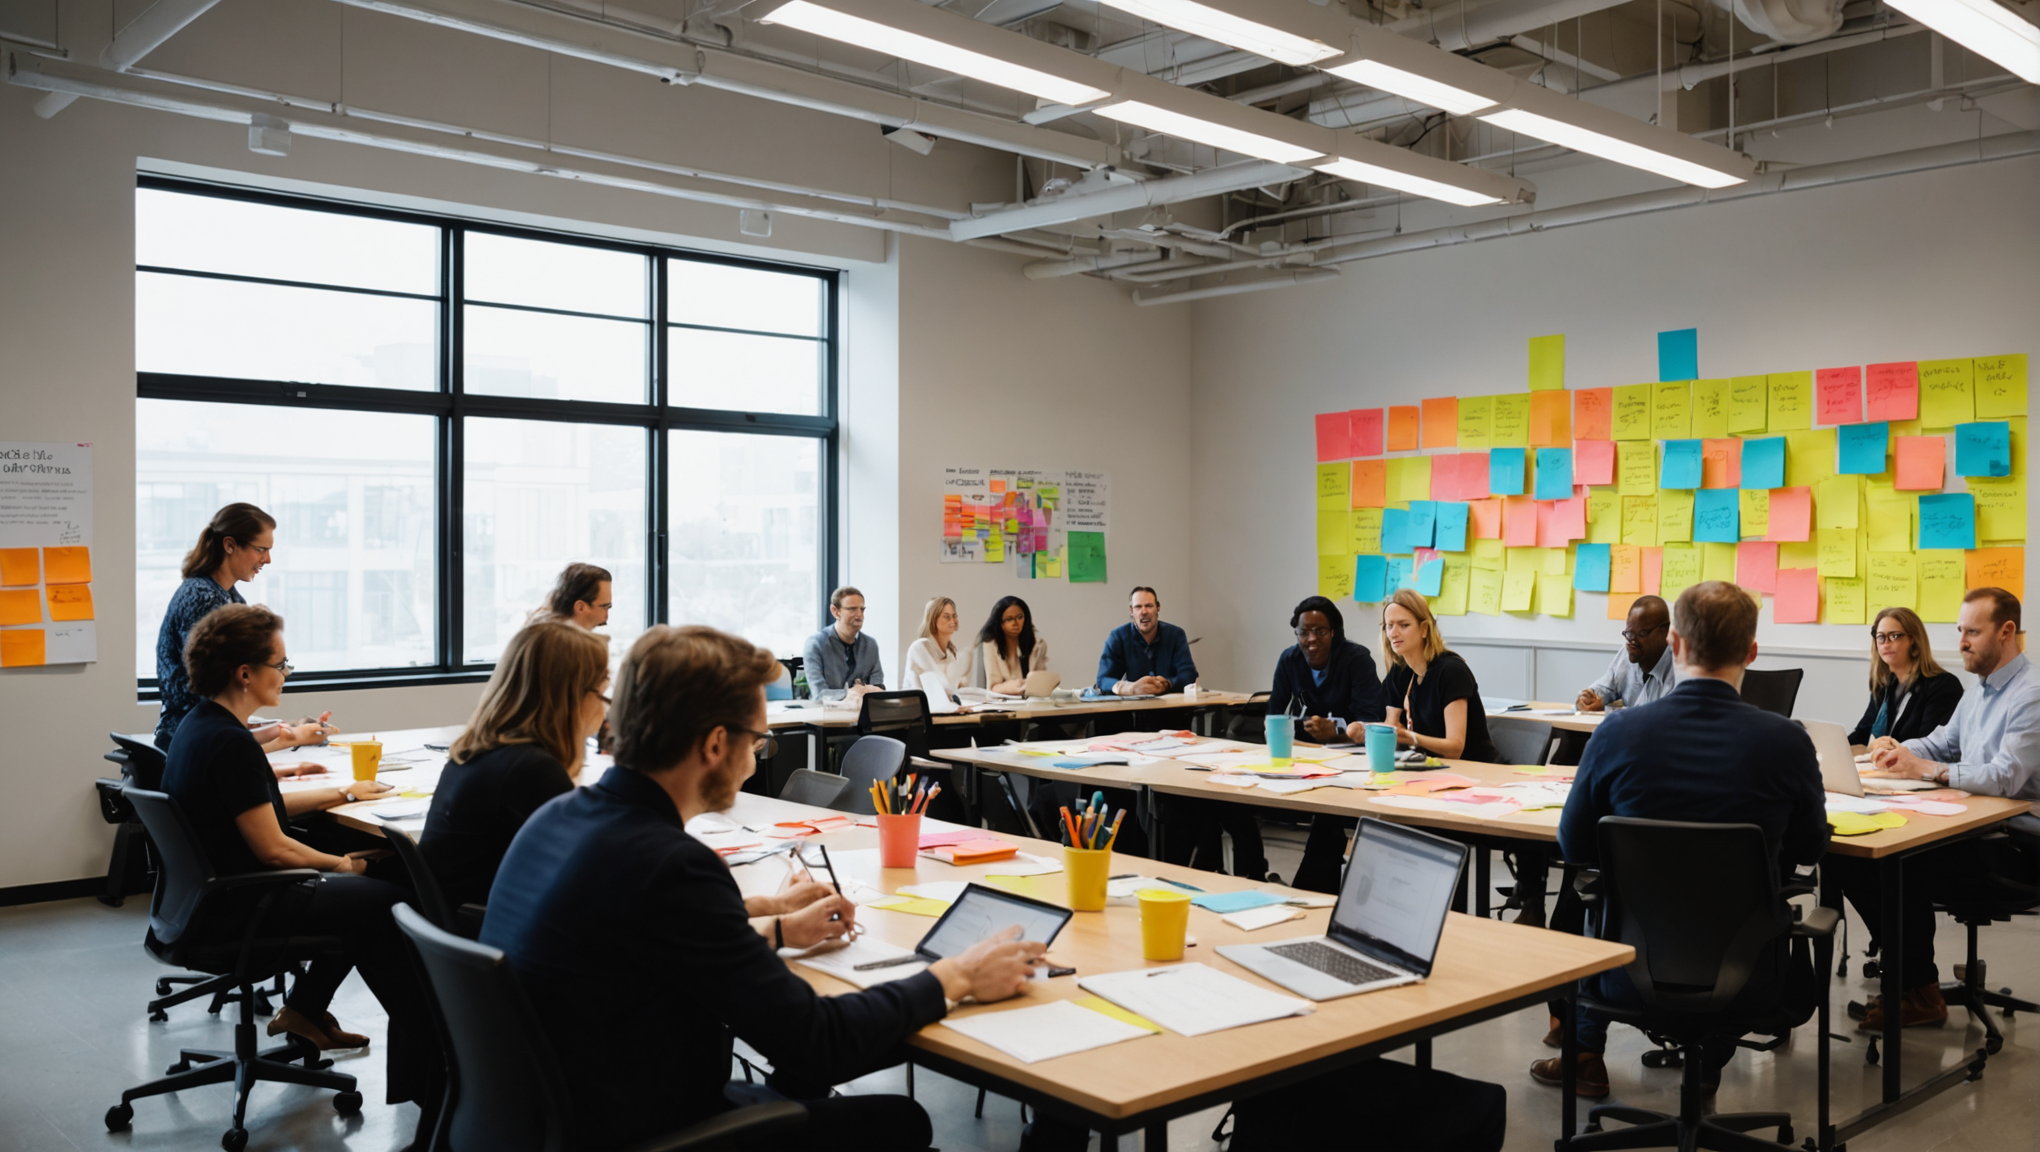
pixel 523 746
pixel 1429 695
pixel 1910 695
pixel 936 651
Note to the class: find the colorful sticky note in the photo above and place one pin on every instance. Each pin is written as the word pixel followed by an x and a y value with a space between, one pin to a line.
pixel 70 602
pixel 1763 463
pixel 1791 514
pixel 1636 471
pixel 1431 577
pixel 1983 449
pixel 1791 401
pixel 1476 421
pixel 1943 581
pixel 1891 521
pixel 1554 594
pixel 1625 568
pixel 20 566
pixel 21 607
pixel 1334 582
pixel 1999 383
pixel 1451 531
pixel 1747 403
pixel 1487 553
pixel 1710 409
pixel 1412 477
pixel 1946 393
pixel 1639 520
pixel 1505 471
pixel 2000 507
pixel 1838 395
pixel 1452 588
pixel 1674 515
pixel 1550 419
pixel 1395 527
pixel 1716 516
pixel 1862 449
pixel 1948 521
pixel 1653 571
pixel 1369 483
pixel 1809 456
pixel 1717 562
pixel 1836 551
pixel 1519 591
pixel 1568 520
pixel 1334 436
pixel 1486 518
pixel 1367 425
pixel 1721 463
pixel 67 565
pixel 1593 462
pixel 1604 517
pixel 1593 411
pixel 1797 600
pixel 21 648
pixel 1998 568
pixel 1892 391
pixel 1421 528
pixel 1591 563
pixel 1370 579
pixel 1441 422
pixel 1631 419
pixel 1519 521
pixel 1682 465
pixel 1547 363
pixel 1922 463
pixel 1681 570
pixel 1334 533
pixel 1332 481
pixel 1756 511
pixel 1836 502
pixel 1671 410
pixel 1554 473
pixel 1473 475
pixel 1402 573
pixel 1510 426
pixel 1678 354
pixel 1893 580
pixel 1402 428
pixel 1366 530
pixel 1756 565
pixel 1843 601
pixel 1484 592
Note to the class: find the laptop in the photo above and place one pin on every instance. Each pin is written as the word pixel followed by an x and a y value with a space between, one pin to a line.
pixel 1837 760
pixel 1039 684
pixel 1399 884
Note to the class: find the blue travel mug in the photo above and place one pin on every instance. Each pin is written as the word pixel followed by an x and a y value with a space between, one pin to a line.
pixel 1281 740
pixel 1381 747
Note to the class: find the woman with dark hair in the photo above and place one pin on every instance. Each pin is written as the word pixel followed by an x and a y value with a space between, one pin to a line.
pixel 1328 682
pixel 1910 694
pixel 581 596
pixel 232 548
pixel 1008 648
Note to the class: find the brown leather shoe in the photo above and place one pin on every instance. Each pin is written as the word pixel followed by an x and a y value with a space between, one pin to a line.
pixel 1922 1007
pixel 1556 1037
pixel 324 1034
pixel 1590 1077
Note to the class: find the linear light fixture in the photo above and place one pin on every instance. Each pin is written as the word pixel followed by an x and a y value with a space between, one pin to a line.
pixel 1989 30
pixel 1226 28
pixel 1583 139
pixel 1205 132
pixel 1404 182
pixel 1422 89
pixel 890 41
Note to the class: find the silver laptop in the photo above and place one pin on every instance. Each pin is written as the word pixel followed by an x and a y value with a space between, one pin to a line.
pixel 1040 683
pixel 1837 760
pixel 1398 886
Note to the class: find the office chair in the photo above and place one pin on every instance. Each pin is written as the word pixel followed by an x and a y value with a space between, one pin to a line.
pixel 1248 721
pixel 186 892
pixel 1519 741
pixel 871 758
pixel 466 920
pixel 504 1088
pixel 1775 690
pixel 807 786
pixel 2009 887
pixel 1523 741
pixel 1703 907
pixel 905 717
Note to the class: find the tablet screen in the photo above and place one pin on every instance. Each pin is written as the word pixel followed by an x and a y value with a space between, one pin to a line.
pixel 982 912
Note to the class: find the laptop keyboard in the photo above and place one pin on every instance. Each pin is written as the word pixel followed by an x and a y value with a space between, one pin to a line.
pixel 1334 963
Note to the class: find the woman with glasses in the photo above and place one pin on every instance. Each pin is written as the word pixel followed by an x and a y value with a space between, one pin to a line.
pixel 1430 694
pixel 1910 695
pixel 1008 648
pixel 1328 682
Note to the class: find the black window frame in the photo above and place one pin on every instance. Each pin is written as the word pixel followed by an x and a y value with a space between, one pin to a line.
pixel 451 404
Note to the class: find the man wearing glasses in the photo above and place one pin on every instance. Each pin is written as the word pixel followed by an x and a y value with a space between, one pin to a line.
pixel 1642 671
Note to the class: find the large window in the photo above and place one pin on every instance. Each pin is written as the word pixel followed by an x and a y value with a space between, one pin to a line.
pixel 441 415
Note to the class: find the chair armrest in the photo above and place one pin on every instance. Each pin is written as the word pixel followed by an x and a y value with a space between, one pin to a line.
pixel 1587 885
pixel 1819 923
pixel 721 1131
pixel 258 879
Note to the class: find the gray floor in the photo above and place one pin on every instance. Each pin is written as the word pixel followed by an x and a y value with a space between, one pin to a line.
pixel 73 980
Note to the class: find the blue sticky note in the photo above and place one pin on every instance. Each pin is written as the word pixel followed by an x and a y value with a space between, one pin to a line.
pixel 1505 471
pixel 1402 572
pixel 1948 521
pixel 1422 526
pixel 1763 463
pixel 1554 473
pixel 1681 467
pixel 1678 354
pixel 1717 516
pixel 1591 563
pixel 1451 527
pixel 1395 527
pixel 1370 579
pixel 1861 449
pixel 1431 578
pixel 1226 902
pixel 1982 449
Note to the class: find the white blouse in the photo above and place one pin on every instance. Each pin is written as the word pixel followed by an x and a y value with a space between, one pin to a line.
pixel 992 668
pixel 922 658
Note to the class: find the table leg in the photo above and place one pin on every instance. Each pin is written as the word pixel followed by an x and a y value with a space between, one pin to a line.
pixel 1891 884
pixel 1422 1049
pixel 1568 1071
pixel 1481 881
pixel 1157 1138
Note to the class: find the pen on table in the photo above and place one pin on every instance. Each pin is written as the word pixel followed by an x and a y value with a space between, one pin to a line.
pixel 888 962
pixel 1180 884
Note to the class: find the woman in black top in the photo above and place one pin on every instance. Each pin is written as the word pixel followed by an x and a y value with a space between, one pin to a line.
pixel 1430 695
pixel 1910 695
pixel 1329 682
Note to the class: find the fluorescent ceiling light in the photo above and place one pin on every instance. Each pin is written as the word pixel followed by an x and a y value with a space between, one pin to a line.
pixel 1403 182
pixel 1226 28
pixel 1608 147
pixel 1204 131
pixel 1987 29
pixel 934 53
pixel 1422 89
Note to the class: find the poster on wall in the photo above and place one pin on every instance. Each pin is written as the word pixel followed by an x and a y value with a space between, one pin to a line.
pixel 46 614
pixel 1047 524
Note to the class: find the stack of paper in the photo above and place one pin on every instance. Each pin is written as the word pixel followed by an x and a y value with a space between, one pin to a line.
pixel 1255 919
pixel 1192 999
pixel 1046 1031
pixel 841 962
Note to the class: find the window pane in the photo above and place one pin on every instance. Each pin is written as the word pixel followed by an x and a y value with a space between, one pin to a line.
pixel 506 270
pixel 353 570
pixel 747 373
pixel 513 353
pixel 263 332
pixel 209 234
pixel 722 296
pixel 542 495
pixel 744 545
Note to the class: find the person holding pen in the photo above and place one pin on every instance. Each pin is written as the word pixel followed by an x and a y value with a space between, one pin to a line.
pixel 841 657
pixel 605 888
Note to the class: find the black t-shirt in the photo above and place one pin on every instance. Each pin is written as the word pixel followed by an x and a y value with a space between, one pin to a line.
pixel 476 811
pixel 1447 679
pixel 215 771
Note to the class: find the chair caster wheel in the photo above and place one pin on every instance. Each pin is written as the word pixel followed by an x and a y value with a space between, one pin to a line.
pixel 1872 969
pixel 158 1016
pixel 162 987
pixel 119 1117
pixel 1871 1055
pixel 1785 1134
pixel 1663 1058
pixel 347 1103
pixel 180 1066
pixel 1993 1045
pixel 235 1139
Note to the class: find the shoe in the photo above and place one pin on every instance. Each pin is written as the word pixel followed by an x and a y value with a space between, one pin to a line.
pixel 1590 1077
pixel 1922 1007
pixel 324 1034
pixel 1556 1037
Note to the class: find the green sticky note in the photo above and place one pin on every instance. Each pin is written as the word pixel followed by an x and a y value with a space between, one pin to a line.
pixel 1791 396
pixel 1671 410
pixel 1087 557
pixel 1547 363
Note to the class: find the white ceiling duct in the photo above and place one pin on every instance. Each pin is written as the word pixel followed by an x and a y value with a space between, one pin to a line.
pixel 143 35
pixel 1789 21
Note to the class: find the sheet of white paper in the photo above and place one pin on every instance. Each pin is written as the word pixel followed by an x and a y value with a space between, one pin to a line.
pixel 1255 919
pixel 947 891
pixel 1290 787
pixel 1193 999
pixel 1124 889
pixel 1836 802
pixel 1045 1031
pixel 711 822
pixel 842 962
pixel 1233 781
pixel 1488 811
pixel 1025 864
pixel 763 877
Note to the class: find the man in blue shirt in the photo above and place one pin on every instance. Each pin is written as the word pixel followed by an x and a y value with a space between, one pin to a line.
pixel 1145 657
pixel 1644 670
pixel 841 655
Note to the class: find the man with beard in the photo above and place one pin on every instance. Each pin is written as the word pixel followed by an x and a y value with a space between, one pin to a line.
pixel 604 889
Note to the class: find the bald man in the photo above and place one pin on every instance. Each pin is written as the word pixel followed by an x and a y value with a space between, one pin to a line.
pixel 1643 670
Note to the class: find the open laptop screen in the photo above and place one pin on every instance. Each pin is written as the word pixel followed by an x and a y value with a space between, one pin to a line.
pixel 1398 887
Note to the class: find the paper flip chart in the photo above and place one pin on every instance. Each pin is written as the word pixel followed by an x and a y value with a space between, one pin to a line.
pixel 1716 515
pixel 1791 514
pixel 1370 579
pixel 1747 401
pixel 1551 419
pixel 1948 521
pixel 1763 463
pixel 1441 422
pixel 70 602
pixel 1892 391
pixel 1431 577
pixel 1836 502
pixel 2000 386
pixel 1593 414
pixel 67 565
pixel 1998 568
pixel 1674 515
pixel 1334 436
pixel 1505 471
pixel 1519 591
pixel 1791 401
pixel 1547 363
pixel 1422 526
pixel 1367 431
pixel 1710 409
pixel 1593 462
pixel 1402 428
pixel 1721 463
pixel 20 566
pixel 1369 483
pixel 1946 396
pixel 1636 472
pixel 1862 448
pixel 1519 522
pixel 1756 565
pixel 22 648
pixel 1682 466
pixel 1678 354
pixel 1797 600
pixel 1591 567
pixel 1983 449
pixel 1485 516
pixel 1632 412
pixel 1452 522
pixel 1838 395
pixel 1395 528
pixel 1555 473
pixel 21 607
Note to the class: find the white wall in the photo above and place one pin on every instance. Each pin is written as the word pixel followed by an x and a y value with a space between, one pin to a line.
pixel 1914 267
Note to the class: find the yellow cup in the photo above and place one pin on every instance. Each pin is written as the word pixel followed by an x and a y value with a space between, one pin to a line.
pixel 1164 923
pixel 1087 870
pixel 367 758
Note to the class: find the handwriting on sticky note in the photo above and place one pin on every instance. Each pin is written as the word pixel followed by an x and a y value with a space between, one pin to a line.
pixel 1947 395
pixel 1631 420
pixel 1983 449
pixel 1593 414
pixel 1791 401
pixel 67 565
pixel 1838 395
pixel 70 602
pixel 2000 386
pixel 1892 391
pixel 1948 521
pixel 1997 568
pixel 1674 515
pixel 1717 515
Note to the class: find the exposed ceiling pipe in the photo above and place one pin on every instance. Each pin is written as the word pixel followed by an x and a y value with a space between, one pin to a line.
pixel 1789 21
pixel 1052 269
pixel 1458 28
pixel 1126 197
pixel 1689 75
pixel 1147 299
pixel 143 35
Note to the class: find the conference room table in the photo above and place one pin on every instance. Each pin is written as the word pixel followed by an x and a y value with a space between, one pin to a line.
pixel 817 715
pixel 1484 970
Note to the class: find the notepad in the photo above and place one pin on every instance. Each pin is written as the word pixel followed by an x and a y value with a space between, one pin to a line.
pixel 1223 902
pixel 1255 919
pixel 402 810
pixel 973 852
pixel 1193 999
pixel 842 962
pixel 1045 1031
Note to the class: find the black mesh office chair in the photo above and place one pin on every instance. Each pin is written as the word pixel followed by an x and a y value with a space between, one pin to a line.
pixel 465 920
pixel 2010 887
pixel 1703 907
pixel 1519 741
pixel 905 717
pixel 807 786
pixel 188 893
pixel 1775 690
pixel 504 1088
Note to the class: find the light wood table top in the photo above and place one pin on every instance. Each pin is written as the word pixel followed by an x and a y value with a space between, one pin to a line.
pixel 1559 715
pixel 808 713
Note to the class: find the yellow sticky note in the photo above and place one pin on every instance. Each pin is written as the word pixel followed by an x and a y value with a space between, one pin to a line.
pixel 1331 485
pixel 1039 887
pixel 2000 506
pixel 70 602
pixel 1947 392
pixel 21 648
pixel 1476 422
pixel 1519 591
pixel 1108 1008
pixel 20 566
pixel 1554 562
pixel 995 546
pixel 1842 600
pixel 1798 554
pixel 1891 522
pixel 1636 467
pixel 1837 502
pixel 1415 480
pixel 1483 592
pixel 1547 363
pixel 1747 404
pixel 1631 417
pixel 1674 515
pixel 1837 551
pixel 1055 565
pixel 1604 516
pixel 1335 577
pixel 1943 580
pixel 1717 561
pixel 1710 409
pixel 1366 524
pixel 1999 383
pixel 1894 580
pixel 1554 595
pixel 1791 403
pixel 1681 570
pixel 1509 425
pixel 1756 511
pixel 1671 410
pixel 911 905
pixel 1453 586
pixel 1639 521
pixel 1334 533
pixel 1525 560
pixel 23 606
pixel 1809 457
pixel 1486 553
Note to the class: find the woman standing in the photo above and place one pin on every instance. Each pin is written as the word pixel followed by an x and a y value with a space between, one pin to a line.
pixel 936 652
pixel 1430 695
pixel 1910 695
pixel 1008 648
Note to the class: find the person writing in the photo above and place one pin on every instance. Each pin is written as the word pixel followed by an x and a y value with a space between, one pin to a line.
pixel 841 657
pixel 1008 648
pixel 1145 657
pixel 1699 754
pixel 1430 695
pixel 1990 747
pixel 605 888
pixel 1910 695
pixel 935 651
pixel 1644 670
pixel 1329 682
pixel 581 596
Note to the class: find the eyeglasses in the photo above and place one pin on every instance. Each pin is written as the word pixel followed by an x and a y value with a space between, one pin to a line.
pixel 1886 637
pixel 766 745
pixel 1312 633
pixel 282 666
pixel 1629 634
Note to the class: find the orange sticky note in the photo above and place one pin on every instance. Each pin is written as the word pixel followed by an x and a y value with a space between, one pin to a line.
pixel 998 486
pixel 21 648
pixel 1653 570
pixel 1797 600
pixel 70 602
pixel 67 565
pixel 1922 464
pixel 22 607
pixel 1756 566
pixel 1791 514
pixel 1370 484
pixel 1519 522
pixel 1625 570
pixel 1998 568
pixel 1619 604
pixel 1593 414
pixel 1402 428
pixel 1551 419
pixel 1441 422
pixel 1484 518
pixel 1721 463
pixel 19 566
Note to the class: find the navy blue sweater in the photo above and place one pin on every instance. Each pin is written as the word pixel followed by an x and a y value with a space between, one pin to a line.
pixel 1351 690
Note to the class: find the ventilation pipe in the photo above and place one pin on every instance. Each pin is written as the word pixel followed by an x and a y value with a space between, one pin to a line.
pixel 1789 21
pixel 146 33
pixel 1308 276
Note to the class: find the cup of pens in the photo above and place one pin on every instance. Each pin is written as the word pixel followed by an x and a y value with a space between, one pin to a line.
pixel 1088 835
pixel 898 805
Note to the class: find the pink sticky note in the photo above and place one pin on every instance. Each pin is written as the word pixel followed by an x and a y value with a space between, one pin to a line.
pixel 1791 514
pixel 1593 461
pixel 1838 395
pixel 1484 518
pixel 1756 566
pixel 1334 436
pixel 1569 520
pixel 1519 522
pixel 1893 391
pixel 1366 431
pixel 1547 529
pixel 1922 463
pixel 1797 600
pixel 1445 477
pixel 1653 570
pixel 1473 476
